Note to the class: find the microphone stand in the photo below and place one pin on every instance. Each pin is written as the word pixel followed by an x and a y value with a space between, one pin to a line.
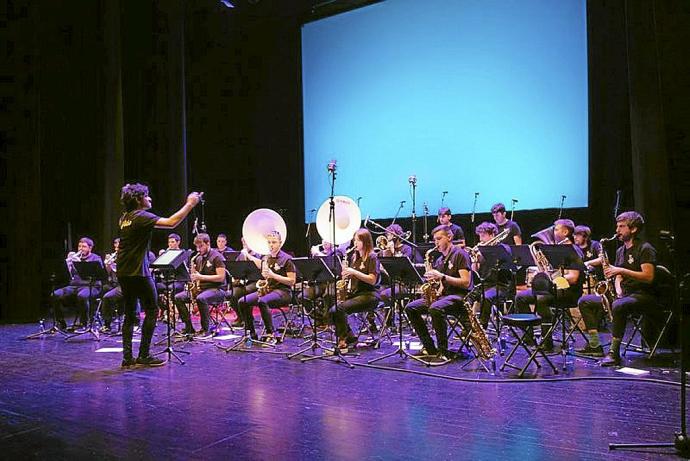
pixel 474 209
pixel 334 354
pixel 402 204
pixel 426 223
pixel 308 234
pixel 560 210
pixel 413 183
pixel 512 208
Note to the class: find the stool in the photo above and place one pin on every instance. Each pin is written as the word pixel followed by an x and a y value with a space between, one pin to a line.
pixel 520 325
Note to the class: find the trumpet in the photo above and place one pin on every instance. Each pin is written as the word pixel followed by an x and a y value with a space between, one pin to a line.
pixel 73 257
pixel 382 241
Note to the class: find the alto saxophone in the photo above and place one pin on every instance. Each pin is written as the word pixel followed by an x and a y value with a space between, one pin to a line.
pixel 432 289
pixel 343 287
pixel 262 287
pixel 477 335
pixel 607 288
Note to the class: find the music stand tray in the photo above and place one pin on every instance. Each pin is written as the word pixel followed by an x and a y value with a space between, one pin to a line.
pixel 243 270
pixel 497 256
pixel 522 256
pixel 314 269
pixel 563 257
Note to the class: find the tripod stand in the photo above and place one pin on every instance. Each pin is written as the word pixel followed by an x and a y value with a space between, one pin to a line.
pixel 400 270
pixel 51 310
pixel 93 271
pixel 681 442
pixel 169 280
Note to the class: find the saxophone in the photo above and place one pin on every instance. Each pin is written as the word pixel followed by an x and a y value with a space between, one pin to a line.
pixel 193 287
pixel 343 287
pixel 432 289
pixel 262 287
pixel 477 335
pixel 607 288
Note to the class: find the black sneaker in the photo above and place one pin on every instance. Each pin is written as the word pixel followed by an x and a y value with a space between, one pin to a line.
pixel 62 325
pixel 128 362
pixel 203 334
pixel 591 351
pixel 611 360
pixel 150 361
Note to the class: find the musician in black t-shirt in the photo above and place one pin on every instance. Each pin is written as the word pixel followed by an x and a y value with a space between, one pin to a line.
pixel 497 283
pixel 498 211
pixel 362 272
pixel 452 270
pixel 633 273
pixel 544 299
pixel 279 273
pixel 444 219
pixel 78 288
pixel 136 227
pixel 207 271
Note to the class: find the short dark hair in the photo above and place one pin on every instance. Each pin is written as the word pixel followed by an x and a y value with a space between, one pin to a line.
pixel 487 228
pixel 498 208
pixel 394 229
pixel 567 223
pixel 86 240
pixel 174 236
pixel 583 230
pixel 132 194
pixel 632 219
pixel 444 210
pixel 443 228
pixel 202 238
pixel 223 236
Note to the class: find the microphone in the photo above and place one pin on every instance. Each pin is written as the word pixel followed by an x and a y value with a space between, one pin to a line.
pixel 402 202
pixel 312 210
pixel 412 179
pixel 563 197
pixel 476 194
pixel 332 166
pixel 358 199
pixel 514 200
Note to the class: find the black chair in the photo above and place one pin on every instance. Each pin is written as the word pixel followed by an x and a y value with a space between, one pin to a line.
pixel 522 326
pixel 664 289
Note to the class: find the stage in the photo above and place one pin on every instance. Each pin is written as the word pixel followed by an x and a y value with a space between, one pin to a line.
pixel 64 400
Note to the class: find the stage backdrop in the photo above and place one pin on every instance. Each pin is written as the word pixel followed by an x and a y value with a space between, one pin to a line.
pixel 468 96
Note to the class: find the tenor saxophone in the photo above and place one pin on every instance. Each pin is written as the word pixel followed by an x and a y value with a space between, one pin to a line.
pixel 477 335
pixel 607 288
pixel 343 287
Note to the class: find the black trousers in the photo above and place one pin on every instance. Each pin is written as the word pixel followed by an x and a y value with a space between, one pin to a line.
pixel 142 289
pixel 79 294
pixel 359 302
pixel 443 306
pixel 206 297
pixel 272 299
pixel 493 295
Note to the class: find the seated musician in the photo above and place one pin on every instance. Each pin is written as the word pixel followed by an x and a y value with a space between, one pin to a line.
pixel 633 274
pixel 362 272
pixel 452 270
pixel 544 299
pixel 222 243
pixel 78 288
pixel 278 270
pixel 207 272
pixel 395 247
pixel 498 283
pixel 319 293
pixel 444 219
pixel 498 211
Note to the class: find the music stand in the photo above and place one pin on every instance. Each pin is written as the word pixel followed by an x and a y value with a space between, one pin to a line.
pixel 522 256
pixel 51 312
pixel 231 255
pixel 562 257
pixel 314 270
pixel 93 271
pixel 245 272
pixel 499 260
pixel 172 266
pixel 400 270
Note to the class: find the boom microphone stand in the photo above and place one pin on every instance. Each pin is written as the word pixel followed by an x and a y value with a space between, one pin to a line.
pixel 413 183
pixel 334 354
pixel 681 442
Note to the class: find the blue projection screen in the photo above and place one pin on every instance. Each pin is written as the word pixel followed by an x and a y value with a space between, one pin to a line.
pixel 468 95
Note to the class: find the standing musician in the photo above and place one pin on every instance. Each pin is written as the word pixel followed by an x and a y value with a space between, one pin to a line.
pixel 362 273
pixel 444 219
pixel 633 274
pixel 207 272
pixel 498 284
pixel 279 273
pixel 452 270
pixel 136 227
pixel 563 233
pixel 78 288
pixel 499 213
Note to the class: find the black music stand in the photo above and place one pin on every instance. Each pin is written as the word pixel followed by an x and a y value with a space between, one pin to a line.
pixel 400 270
pixel 562 257
pixel 500 261
pixel 245 272
pixel 313 270
pixel 51 312
pixel 521 256
pixel 171 264
pixel 231 255
pixel 93 271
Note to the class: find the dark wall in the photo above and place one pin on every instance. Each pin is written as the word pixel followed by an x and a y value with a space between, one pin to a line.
pixel 193 96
